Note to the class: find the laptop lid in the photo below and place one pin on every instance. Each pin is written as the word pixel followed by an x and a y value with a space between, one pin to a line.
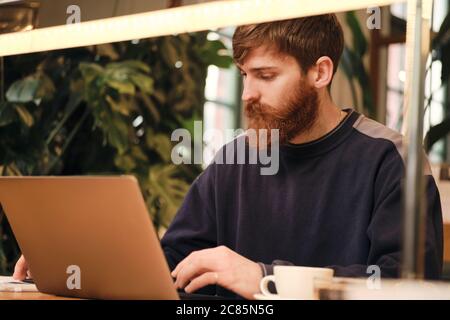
pixel 88 237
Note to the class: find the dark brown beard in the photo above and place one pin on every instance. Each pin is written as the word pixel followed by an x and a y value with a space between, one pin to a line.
pixel 296 115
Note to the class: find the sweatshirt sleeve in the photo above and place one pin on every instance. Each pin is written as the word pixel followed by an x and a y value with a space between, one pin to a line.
pixel 385 228
pixel 194 226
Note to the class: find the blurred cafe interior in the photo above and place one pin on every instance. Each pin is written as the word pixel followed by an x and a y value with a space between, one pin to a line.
pixel 59 56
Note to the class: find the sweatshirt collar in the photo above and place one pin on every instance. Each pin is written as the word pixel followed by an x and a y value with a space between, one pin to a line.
pixel 326 142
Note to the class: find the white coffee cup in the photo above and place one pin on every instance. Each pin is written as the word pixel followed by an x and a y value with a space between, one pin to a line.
pixel 294 282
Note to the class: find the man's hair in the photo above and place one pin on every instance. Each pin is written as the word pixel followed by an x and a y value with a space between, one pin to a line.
pixel 306 39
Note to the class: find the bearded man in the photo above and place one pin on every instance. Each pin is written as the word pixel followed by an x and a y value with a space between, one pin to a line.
pixel 335 200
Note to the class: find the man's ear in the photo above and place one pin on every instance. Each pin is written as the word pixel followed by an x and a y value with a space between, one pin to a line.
pixel 321 73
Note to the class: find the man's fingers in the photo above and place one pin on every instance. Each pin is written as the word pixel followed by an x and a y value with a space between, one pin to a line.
pixel 195 256
pixel 179 267
pixel 186 261
pixel 202 281
pixel 20 270
pixel 195 264
pixel 201 263
pixel 189 272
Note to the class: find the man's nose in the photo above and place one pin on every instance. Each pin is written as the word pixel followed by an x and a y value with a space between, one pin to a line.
pixel 250 93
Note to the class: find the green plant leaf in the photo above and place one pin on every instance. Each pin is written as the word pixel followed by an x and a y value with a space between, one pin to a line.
pixel 445 60
pixel 169 53
pixel 166 192
pixel 22 90
pixel 7 114
pixel 74 102
pixel 346 63
pixel 122 106
pixel 129 66
pixel 160 143
pixel 183 105
pixel 436 133
pixel 363 79
pixel 353 68
pixel 124 76
pixel 216 53
pixel 24 115
pixel 46 88
pixel 117 132
pixel 138 154
pixel 441 48
pixel 151 106
pixel 443 36
pixel 121 86
pixel 32 88
pixel 359 41
pixel 125 162
pixel 160 96
pixel 90 71
pixel 347 67
pixel 143 82
pixel 13 170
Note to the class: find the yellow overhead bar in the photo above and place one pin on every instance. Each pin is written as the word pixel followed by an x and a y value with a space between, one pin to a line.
pixel 205 16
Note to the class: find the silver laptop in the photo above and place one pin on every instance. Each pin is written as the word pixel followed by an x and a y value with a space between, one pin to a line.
pixel 87 237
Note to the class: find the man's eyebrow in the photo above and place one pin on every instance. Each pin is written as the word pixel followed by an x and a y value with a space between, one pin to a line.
pixel 257 69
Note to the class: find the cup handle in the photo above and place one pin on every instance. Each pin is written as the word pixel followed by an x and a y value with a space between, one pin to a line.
pixel 263 286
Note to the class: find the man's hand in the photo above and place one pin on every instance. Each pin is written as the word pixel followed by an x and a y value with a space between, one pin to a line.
pixel 220 266
pixel 21 270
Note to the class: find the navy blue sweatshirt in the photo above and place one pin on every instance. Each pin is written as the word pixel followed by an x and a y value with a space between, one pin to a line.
pixel 334 202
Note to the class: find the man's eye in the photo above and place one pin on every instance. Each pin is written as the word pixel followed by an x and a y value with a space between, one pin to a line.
pixel 267 77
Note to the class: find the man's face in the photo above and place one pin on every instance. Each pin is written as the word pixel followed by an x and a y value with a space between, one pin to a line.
pixel 277 95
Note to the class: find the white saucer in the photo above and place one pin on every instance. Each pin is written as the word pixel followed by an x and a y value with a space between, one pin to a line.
pixel 260 296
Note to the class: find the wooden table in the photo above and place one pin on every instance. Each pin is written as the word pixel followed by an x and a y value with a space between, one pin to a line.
pixel 388 289
pixel 30 296
pixel 447 242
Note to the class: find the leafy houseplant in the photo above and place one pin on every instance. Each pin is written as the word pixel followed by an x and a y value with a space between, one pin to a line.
pixel 106 109
pixel 441 52
pixel 353 67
